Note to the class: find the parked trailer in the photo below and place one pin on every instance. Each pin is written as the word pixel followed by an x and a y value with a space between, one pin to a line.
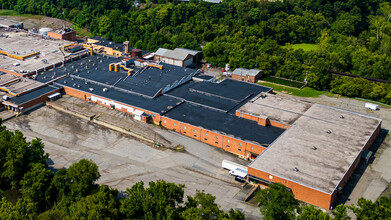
pixel 239 172
pixel 371 106
pixel 229 165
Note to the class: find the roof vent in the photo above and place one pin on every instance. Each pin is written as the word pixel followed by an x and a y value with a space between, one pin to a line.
pixel 297 170
pixel 85 82
pixel 78 85
pixel 65 82
pixel 314 148
pixel 342 117
pixel 104 89
pixel 328 132
pixel 91 89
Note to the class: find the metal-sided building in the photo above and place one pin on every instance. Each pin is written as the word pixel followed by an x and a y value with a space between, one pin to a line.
pixel 178 57
pixel 247 75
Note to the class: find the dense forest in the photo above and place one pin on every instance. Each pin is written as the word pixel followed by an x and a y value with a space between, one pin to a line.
pixel 351 36
pixel 72 193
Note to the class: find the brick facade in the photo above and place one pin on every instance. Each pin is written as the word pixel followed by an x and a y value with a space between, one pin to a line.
pixel 311 195
pixel 70 36
pixel 262 121
pixel 233 145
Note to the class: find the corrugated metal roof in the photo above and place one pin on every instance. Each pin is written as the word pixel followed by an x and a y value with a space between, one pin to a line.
pixel 160 51
pixel 177 54
pixel 192 52
pixel 246 72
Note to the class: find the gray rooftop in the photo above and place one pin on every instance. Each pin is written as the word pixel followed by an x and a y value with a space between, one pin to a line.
pixel 246 72
pixel 324 167
pixel 189 51
pixel 276 108
pixel 21 44
pixel 177 54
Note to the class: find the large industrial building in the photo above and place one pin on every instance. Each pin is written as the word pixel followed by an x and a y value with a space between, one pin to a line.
pixel 317 154
pixel 312 149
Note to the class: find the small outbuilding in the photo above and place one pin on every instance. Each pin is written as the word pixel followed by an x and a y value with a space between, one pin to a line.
pixel 247 75
pixel 179 57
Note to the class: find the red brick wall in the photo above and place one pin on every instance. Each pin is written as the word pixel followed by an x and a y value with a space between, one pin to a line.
pixel 310 195
pixel 301 192
pixel 262 121
pixel 38 100
pixel 191 131
pixel 84 95
pixel 227 143
pixel 212 138
pixel 251 79
pixel 278 124
pixel 255 149
pixel 71 36
pixel 234 146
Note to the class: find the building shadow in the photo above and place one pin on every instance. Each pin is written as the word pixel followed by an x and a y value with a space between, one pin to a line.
pixel 344 194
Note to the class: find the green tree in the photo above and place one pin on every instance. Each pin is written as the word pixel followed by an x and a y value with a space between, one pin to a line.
pixel 310 212
pixel 277 202
pixel 340 212
pixel 82 176
pixel 100 205
pixel 366 209
pixel 34 185
pixel 159 201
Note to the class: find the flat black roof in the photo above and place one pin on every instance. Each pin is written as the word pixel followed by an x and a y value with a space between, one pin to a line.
pixel 18 100
pixel 204 77
pixel 96 68
pixel 240 128
pixel 186 92
pixel 232 89
pixel 158 105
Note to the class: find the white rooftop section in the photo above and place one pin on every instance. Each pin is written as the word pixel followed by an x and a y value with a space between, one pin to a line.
pixel 275 108
pixel 177 54
pixel 322 145
pixel 21 44
pixel 246 72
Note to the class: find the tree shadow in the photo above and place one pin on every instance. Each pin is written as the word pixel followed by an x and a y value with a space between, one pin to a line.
pixel 50 164
pixel 344 194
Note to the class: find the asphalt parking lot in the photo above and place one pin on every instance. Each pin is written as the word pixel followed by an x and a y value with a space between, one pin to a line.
pixel 123 161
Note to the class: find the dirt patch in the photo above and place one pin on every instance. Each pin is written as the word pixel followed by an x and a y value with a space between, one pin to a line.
pixel 39 21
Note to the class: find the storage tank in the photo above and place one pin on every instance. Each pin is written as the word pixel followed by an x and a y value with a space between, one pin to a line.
pixel 136 53
pixel 44 31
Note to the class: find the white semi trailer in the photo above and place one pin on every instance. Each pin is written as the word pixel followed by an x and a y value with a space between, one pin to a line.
pixel 235 169
pixel 371 106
